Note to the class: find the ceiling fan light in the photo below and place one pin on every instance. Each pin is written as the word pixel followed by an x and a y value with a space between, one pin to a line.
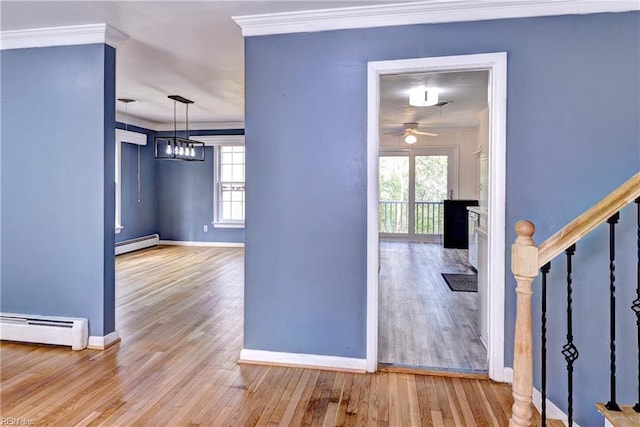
pixel 423 97
pixel 410 139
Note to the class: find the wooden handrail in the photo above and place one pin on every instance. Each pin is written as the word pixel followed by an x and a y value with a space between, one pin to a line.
pixel 590 219
pixel 526 260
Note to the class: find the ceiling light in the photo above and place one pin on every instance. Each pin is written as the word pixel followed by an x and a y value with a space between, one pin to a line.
pixel 423 97
pixel 410 139
pixel 174 147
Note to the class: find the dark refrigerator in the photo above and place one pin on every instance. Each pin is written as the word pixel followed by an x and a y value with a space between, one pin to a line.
pixel 456 217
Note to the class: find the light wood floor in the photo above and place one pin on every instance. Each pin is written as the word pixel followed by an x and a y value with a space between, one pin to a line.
pixel 179 313
pixel 421 321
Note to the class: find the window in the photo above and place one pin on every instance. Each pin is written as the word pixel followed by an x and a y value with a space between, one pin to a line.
pixel 229 186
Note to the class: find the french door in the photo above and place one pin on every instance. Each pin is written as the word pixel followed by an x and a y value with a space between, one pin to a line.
pixel 412 186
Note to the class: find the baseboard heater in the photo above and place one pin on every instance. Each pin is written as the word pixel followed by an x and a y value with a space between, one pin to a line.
pixel 138 243
pixel 71 331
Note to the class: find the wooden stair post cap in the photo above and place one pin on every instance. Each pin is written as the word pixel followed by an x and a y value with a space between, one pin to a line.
pixel 525 231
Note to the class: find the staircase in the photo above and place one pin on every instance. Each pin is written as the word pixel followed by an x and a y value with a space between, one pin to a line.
pixel 528 260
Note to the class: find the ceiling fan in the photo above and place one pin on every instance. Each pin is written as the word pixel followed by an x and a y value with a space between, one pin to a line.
pixel 410 132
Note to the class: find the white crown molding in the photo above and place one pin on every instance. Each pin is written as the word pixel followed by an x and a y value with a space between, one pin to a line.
pixel 62 36
pixel 423 12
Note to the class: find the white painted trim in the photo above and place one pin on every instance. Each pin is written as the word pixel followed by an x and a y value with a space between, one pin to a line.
pixel 227 224
pixel 507 375
pixel 214 140
pixel 496 64
pixel 299 359
pixel 553 412
pixel 101 343
pixel 497 149
pixel 131 137
pixel 213 244
pixel 422 12
pixel 373 237
pixel 62 36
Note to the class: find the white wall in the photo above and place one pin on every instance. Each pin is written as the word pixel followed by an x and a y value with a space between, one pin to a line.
pixel 467 142
pixel 483 158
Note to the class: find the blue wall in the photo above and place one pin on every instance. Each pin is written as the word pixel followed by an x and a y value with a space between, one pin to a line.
pixel 57 182
pixel 185 198
pixel 176 197
pixel 138 216
pixel 572 136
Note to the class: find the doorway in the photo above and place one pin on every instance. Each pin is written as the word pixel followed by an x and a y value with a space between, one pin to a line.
pixel 495 64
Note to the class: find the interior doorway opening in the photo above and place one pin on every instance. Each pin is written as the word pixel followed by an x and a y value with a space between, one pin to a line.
pixel 495 66
pixel 426 320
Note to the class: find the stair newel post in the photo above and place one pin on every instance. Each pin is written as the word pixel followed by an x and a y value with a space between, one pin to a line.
pixel 524 265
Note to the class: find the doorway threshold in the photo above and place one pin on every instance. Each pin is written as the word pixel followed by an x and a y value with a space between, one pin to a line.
pixel 434 371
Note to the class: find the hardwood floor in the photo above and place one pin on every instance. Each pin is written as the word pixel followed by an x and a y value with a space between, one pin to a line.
pixel 179 313
pixel 421 321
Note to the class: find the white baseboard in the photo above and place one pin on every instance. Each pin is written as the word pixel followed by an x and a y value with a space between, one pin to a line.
pixel 507 375
pixel 553 412
pixel 213 244
pixel 101 343
pixel 302 360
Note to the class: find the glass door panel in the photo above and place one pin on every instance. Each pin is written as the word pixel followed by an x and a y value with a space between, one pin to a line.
pixel 430 190
pixel 393 207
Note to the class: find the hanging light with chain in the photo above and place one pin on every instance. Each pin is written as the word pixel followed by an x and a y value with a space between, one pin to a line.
pixel 174 147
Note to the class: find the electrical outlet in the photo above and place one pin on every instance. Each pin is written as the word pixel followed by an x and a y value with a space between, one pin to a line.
pixel 205 228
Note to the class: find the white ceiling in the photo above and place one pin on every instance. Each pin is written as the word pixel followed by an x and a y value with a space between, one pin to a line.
pixel 465 93
pixel 195 49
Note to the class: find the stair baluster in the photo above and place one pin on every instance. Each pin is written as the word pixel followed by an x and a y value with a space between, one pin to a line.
pixel 612 405
pixel 569 350
pixel 636 304
pixel 545 270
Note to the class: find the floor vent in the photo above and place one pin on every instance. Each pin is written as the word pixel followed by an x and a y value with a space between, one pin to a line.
pixel 71 331
pixel 139 243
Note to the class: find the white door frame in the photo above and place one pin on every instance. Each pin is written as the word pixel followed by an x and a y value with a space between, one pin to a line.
pixel 496 64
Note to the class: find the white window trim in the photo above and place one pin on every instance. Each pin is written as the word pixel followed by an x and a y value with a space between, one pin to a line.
pixel 216 141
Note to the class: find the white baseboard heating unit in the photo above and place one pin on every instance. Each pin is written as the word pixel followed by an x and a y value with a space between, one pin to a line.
pixel 139 243
pixel 33 328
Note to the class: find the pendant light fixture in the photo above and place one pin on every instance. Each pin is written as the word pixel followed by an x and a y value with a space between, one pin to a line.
pixel 174 147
